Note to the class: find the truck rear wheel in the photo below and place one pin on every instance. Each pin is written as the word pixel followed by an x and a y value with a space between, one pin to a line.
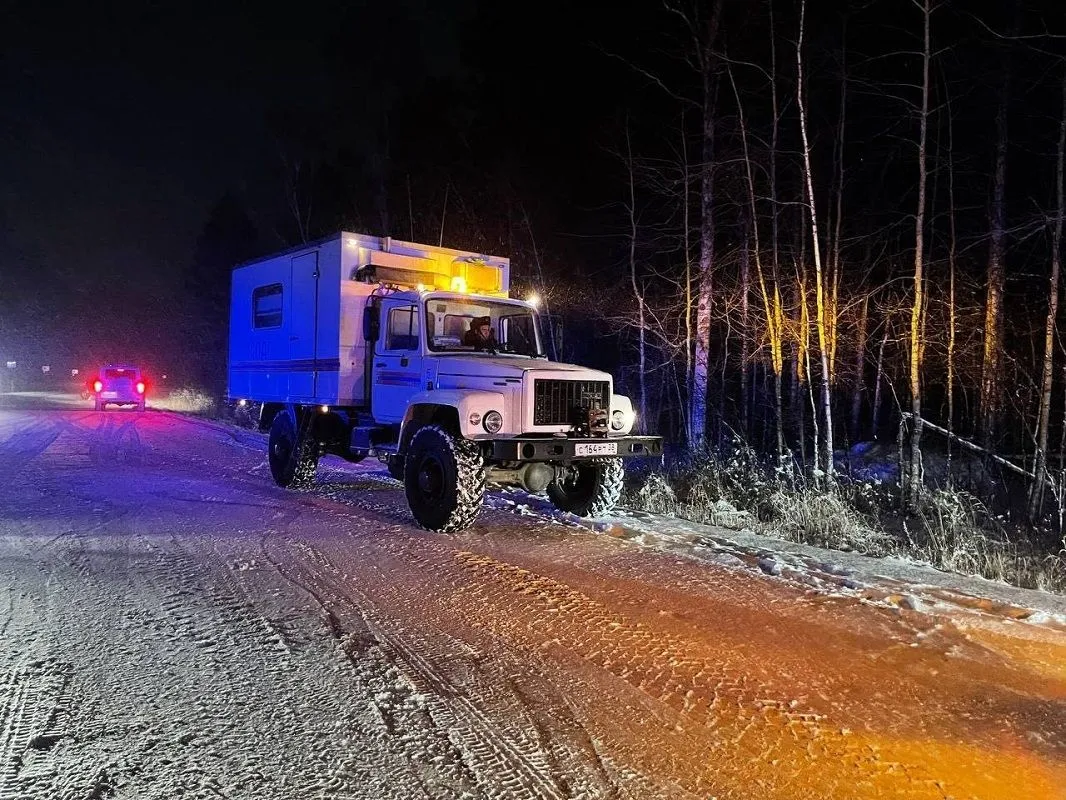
pixel 589 488
pixel 444 479
pixel 293 457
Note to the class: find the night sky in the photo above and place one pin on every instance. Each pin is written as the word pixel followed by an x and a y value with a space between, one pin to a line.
pixel 124 125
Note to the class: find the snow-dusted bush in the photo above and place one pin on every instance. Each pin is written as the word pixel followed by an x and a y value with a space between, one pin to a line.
pixel 186 400
pixel 825 518
pixel 1051 576
pixel 956 532
pixel 949 529
pixel 733 476
pixel 701 489
pixel 951 533
pixel 655 494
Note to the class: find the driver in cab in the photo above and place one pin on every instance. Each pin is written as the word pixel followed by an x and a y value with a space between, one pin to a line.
pixel 480 336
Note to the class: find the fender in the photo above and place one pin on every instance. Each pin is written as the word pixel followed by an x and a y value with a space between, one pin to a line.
pixel 432 407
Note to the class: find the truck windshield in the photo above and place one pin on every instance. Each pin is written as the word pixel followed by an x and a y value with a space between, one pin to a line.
pixel 475 324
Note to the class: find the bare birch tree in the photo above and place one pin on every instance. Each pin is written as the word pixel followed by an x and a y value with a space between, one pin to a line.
pixel 708 73
pixel 914 468
pixel 993 340
pixel 686 232
pixel 1036 492
pixel 819 287
pixel 952 271
pixel 860 369
pixel 638 290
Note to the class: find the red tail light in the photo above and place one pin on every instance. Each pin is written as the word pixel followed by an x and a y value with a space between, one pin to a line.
pixel 98 385
pixel 140 387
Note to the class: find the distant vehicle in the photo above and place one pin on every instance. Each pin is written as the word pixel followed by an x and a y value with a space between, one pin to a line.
pixel 120 385
pixel 357 346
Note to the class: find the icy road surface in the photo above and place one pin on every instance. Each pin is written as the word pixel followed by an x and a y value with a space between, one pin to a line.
pixel 173 625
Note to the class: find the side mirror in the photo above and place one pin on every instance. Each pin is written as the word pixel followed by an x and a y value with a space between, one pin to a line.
pixel 371 322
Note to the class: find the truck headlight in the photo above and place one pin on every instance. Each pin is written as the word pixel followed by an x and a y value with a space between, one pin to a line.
pixel 492 422
pixel 618 419
pixel 475 417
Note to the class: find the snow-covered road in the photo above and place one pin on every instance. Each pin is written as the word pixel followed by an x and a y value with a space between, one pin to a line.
pixel 174 625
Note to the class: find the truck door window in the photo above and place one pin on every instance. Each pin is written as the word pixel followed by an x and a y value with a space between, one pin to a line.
pixel 402 331
pixel 266 306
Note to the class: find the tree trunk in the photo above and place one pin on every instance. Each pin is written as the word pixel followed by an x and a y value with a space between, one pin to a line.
pixel 705 281
pixel 879 380
pixel 690 435
pixel 914 467
pixel 638 292
pixel 778 306
pixel 1036 493
pixel 838 221
pixel 745 333
pixel 990 363
pixel 952 253
pixel 708 63
pixel 860 372
pixel 819 286
pixel 554 336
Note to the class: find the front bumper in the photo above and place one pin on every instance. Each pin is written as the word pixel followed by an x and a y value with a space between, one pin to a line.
pixel 557 448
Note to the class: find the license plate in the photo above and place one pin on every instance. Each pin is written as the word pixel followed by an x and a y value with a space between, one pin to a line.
pixel 596 449
pixel 109 394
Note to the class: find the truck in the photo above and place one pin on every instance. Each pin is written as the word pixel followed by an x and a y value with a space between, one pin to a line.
pixel 361 346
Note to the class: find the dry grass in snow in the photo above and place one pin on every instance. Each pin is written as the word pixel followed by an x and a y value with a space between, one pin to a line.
pixel 951 529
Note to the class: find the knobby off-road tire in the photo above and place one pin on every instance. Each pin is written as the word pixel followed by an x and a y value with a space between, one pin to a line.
pixel 444 479
pixel 293 457
pixel 593 492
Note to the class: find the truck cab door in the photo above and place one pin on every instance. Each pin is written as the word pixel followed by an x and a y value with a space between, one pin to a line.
pixel 397 371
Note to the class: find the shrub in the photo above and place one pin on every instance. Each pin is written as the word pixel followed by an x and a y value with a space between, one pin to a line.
pixel 733 489
pixel 187 400
pixel 824 518
pixel 950 529
pixel 957 533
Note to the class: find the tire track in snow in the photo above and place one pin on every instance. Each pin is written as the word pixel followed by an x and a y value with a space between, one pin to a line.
pixel 505 762
pixel 430 756
pixel 710 692
pixel 23 446
pixel 357 773
pixel 37 699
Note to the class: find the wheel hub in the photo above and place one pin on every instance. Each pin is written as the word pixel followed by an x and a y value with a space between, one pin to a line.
pixel 430 478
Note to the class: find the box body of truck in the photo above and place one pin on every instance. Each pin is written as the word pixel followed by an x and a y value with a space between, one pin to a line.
pixel 296 318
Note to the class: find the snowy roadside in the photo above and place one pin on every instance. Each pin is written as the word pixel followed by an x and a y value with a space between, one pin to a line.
pixel 885 581
pixel 888 581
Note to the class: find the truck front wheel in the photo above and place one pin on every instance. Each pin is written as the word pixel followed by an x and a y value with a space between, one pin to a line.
pixel 589 488
pixel 444 479
pixel 293 458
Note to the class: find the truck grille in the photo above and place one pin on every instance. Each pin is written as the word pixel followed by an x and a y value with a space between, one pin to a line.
pixel 560 402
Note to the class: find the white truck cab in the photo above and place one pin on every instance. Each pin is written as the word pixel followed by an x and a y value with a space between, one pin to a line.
pixel 362 346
